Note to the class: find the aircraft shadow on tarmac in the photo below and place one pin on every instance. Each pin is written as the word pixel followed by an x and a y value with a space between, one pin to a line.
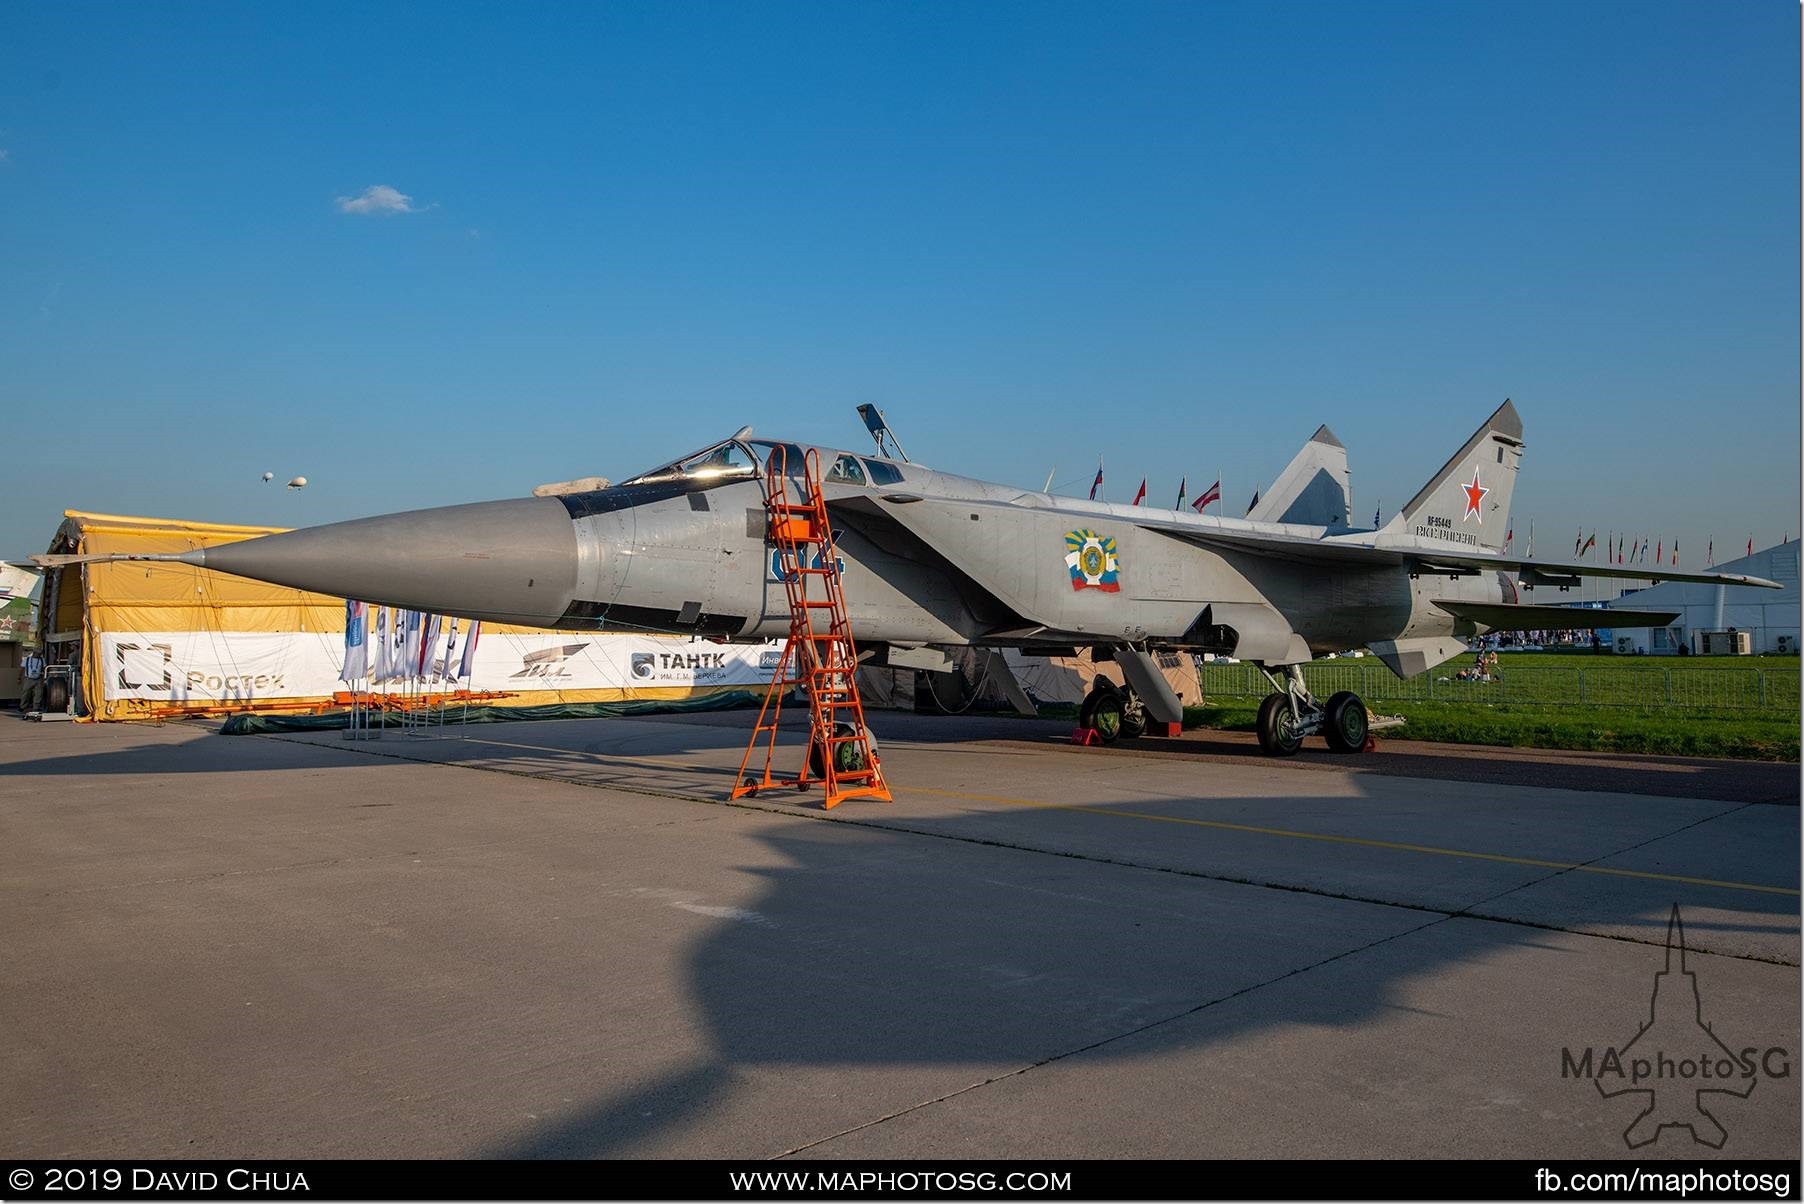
pixel 915 944
pixel 840 965
pixel 874 948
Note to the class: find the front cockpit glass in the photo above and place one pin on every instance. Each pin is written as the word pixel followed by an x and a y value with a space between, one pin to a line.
pixel 727 461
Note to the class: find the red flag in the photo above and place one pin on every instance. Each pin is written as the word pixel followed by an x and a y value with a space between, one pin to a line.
pixel 1141 496
pixel 1211 494
pixel 1659 555
pixel 1750 545
pixel 1097 483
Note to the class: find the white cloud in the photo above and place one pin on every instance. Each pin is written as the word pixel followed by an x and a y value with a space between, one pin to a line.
pixel 378 200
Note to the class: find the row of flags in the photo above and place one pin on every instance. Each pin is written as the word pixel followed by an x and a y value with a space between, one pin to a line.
pixel 1620 549
pixel 386 643
pixel 1208 497
pixel 1617 549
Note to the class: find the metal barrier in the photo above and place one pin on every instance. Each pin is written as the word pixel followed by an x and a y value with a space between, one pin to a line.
pixel 1604 685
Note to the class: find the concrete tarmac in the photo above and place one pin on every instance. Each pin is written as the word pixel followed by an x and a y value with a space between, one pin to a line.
pixel 553 939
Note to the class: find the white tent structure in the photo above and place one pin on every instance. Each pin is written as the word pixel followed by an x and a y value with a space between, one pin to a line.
pixel 1769 616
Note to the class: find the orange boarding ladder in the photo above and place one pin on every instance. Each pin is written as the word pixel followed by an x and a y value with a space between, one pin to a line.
pixel 819 655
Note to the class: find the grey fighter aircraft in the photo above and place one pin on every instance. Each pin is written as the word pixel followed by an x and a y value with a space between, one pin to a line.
pixel 933 560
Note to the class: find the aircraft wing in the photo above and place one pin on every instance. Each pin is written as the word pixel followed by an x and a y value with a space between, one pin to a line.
pixel 1339 550
pixel 1550 568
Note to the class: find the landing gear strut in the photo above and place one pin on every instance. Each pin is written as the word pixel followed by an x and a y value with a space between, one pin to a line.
pixel 1293 713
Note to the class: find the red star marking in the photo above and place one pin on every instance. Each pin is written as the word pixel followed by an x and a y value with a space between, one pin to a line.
pixel 1475 493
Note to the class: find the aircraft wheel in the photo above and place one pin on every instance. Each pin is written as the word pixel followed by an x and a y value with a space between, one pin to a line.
pixel 56 695
pixel 1278 734
pixel 848 758
pixel 1103 711
pixel 1345 723
pixel 1133 716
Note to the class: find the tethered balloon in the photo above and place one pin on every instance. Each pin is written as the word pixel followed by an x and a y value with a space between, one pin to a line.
pixel 298 483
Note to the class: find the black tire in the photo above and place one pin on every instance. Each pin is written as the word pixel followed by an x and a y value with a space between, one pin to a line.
pixel 851 757
pixel 1103 713
pixel 1133 716
pixel 1277 728
pixel 1345 724
pixel 56 695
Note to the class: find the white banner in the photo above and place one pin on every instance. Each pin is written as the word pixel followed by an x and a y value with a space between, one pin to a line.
pixel 245 666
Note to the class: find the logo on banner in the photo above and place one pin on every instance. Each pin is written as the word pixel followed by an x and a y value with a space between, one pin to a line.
pixel 645 665
pixel 547 662
pixel 1093 561
pixel 126 663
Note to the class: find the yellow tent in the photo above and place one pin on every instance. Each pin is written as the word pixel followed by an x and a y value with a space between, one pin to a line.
pixel 151 639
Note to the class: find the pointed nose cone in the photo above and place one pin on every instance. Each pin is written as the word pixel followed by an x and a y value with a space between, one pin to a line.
pixel 512 561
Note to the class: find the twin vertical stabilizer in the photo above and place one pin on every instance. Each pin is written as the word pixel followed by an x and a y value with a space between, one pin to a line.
pixel 1315 488
pixel 1466 506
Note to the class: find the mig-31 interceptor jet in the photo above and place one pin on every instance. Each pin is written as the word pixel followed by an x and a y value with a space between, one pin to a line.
pixel 931 560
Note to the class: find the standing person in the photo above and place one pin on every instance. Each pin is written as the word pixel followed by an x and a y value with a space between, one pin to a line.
pixel 33 674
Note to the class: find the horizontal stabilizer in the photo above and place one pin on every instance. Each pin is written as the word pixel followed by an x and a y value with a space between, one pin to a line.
pixel 1524 616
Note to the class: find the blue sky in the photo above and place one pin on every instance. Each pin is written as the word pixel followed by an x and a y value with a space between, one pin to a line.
pixel 1180 235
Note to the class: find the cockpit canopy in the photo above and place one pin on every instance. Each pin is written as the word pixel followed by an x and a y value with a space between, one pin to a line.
pixel 739 459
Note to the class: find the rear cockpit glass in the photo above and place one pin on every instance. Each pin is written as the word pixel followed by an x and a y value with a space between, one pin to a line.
pixel 728 461
pixel 792 458
pixel 883 474
pixel 847 471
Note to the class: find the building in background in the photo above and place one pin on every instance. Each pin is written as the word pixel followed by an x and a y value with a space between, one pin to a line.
pixel 18 627
pixel 1768 618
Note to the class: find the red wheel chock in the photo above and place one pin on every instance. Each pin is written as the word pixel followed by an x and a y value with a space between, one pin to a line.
pixel 1169 731
pixel 1085 735
pixel 1371 743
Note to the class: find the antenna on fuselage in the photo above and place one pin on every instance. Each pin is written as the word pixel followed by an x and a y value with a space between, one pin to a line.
pixel 880 431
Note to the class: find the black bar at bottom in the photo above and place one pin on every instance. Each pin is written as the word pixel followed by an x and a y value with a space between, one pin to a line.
pixel 1516 1179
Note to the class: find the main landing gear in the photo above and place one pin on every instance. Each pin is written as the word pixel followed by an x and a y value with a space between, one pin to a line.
pixel 1293 713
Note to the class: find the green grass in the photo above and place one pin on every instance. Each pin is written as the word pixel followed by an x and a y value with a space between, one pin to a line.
pixel 1749 735
pixel 1532 679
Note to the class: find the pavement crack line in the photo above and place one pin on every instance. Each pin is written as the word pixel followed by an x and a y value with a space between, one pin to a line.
pixel 1124 1035
pixel 752 804
pixel 1582 865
